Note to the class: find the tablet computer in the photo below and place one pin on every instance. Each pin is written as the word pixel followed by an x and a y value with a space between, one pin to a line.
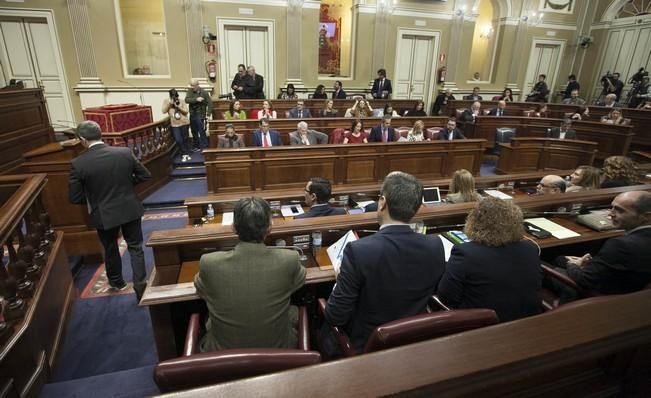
pixel 431 195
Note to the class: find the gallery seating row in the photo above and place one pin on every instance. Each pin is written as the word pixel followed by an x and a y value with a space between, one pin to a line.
pixel 251 106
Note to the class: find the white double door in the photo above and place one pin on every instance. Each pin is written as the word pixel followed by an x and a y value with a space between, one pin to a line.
pixel 415 62
pixel 29 53
pixel 545 58
pixel 248 45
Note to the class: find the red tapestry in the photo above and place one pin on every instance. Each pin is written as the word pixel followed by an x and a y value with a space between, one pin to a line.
pixel 119 117
pixel 329 42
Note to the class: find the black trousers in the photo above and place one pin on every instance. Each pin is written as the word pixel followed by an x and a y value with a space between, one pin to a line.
pixel 132 233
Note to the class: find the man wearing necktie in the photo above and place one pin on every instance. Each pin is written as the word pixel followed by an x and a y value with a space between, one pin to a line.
pixel 381 86
pixel 499 111
pixel 264 137
pixel 300 111
pixel 384 132
pixel 305 136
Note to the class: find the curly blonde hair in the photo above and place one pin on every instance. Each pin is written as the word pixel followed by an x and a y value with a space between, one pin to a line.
pixel 620 168
pixel 495 222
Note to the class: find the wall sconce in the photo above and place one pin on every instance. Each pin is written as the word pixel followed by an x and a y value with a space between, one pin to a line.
pixel 486 32
pixel 463 12
pixel 533 19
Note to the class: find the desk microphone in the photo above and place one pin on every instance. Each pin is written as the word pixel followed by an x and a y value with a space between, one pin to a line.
pixel 554 213
pixel 142 101
pixel 449 226
pixel 368 231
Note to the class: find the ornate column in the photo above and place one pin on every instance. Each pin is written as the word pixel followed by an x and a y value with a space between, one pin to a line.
pixel 193 19
pixel 294 45
pixel 383 11
pixel 80 24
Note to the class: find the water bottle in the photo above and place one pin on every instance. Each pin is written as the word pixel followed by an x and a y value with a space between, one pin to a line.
pixel 316 242
pixel 210 213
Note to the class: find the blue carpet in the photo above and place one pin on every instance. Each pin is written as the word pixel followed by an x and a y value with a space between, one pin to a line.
pixel 109 334
pixel 488 168
pixel 188 171
pixel 174 193
pixel 133 383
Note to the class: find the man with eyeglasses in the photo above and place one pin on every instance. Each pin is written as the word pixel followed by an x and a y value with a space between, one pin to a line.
pixel 551 184
pixel 317 194
pixel 299 112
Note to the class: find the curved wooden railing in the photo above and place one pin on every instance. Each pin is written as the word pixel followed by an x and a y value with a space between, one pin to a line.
pixel 146 141
pixel 35 285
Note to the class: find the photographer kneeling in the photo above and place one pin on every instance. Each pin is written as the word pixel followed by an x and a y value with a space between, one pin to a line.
pixel 177 110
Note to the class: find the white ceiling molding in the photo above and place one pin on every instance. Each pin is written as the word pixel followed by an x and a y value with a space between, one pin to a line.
pixel 309 4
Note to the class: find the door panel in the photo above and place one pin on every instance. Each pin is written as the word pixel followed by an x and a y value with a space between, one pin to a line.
pixel 247 45
pixel 413 69
pixel 403 69
pixel 421 67
pixel 15 53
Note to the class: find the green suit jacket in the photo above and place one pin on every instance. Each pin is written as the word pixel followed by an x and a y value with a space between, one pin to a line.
pixel 247 291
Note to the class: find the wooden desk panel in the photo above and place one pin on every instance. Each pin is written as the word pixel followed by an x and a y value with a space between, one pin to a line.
pixel 530 154
pixel 252 169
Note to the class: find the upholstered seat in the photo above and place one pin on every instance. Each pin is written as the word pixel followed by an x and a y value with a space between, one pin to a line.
pixel 416 328
pixel 194 369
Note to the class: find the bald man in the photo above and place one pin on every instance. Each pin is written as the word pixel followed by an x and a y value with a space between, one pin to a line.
pixel 499 111
pixel 200 108
pixel 622 265
pixel 551 184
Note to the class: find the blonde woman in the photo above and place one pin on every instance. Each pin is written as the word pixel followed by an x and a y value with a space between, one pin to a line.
pixel 417 133
pixel 361 108
pixel 497 269
pixel 328 109
pixel 462 188
pixel 614 117
pixel 584 178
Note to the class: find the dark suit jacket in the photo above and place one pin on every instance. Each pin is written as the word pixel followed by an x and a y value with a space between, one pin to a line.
pixel 556 133
pixel 386 87
pixel 253 87
pixel 376 134
pixel 506 279
pixel 273 134
pixel 458 135
pixel 322 211
pixel 341 94
pixel 313 137
pixel 467 116
pixel 472 97
pixel 247 292
pixel 621 266
pixel 104 177
pixel 384 277
pixel 293 113
pixel 493 112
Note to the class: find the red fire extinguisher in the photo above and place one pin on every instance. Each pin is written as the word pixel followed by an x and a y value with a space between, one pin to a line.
pixel 211 68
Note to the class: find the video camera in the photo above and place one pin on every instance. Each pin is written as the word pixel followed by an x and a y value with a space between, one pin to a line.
pixel 608 76
pixel 639 76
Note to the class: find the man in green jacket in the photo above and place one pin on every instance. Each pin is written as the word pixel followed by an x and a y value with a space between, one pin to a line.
pixel 200 108
pixel 247 290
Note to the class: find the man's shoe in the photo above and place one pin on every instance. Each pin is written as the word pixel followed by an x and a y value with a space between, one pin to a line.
pixel 184 158
pixel 121 288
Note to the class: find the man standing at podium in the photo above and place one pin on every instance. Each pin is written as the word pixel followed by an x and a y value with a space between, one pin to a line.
pixel 103 178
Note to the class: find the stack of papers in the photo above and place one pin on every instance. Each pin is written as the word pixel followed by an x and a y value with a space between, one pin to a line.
pixel 557 231
pixel 291 210
pixel 336 251
pixel 497 194
pixel 227 218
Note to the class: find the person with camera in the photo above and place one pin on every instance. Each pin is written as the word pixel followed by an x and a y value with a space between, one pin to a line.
pixel 200 108
pixel 612 85
pixel 177 110
pixel 641 92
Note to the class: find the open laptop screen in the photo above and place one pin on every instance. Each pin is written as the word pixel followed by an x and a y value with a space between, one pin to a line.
pixel 431 195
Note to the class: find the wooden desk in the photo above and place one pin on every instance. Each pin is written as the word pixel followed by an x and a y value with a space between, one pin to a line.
pixel 314 105
pixel 174 248
pixel 325 125
pixel 243 170
pixel 223 202
pixel 529 154
pixel 600 348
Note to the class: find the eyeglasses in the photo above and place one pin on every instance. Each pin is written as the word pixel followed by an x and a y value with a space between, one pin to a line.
pixel 541 184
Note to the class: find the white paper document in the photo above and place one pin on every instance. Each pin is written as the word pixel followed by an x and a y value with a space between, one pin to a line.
pixel 291 210
pixel 227 218
pixel 362 204
pixel 557 231
pixel 447 246
pixel 336 250
pixel 497 194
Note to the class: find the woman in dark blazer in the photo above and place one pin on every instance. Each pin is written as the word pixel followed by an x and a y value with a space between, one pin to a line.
pixel 497 269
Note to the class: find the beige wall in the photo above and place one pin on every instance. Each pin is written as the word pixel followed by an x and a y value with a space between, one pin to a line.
pixel 104 34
